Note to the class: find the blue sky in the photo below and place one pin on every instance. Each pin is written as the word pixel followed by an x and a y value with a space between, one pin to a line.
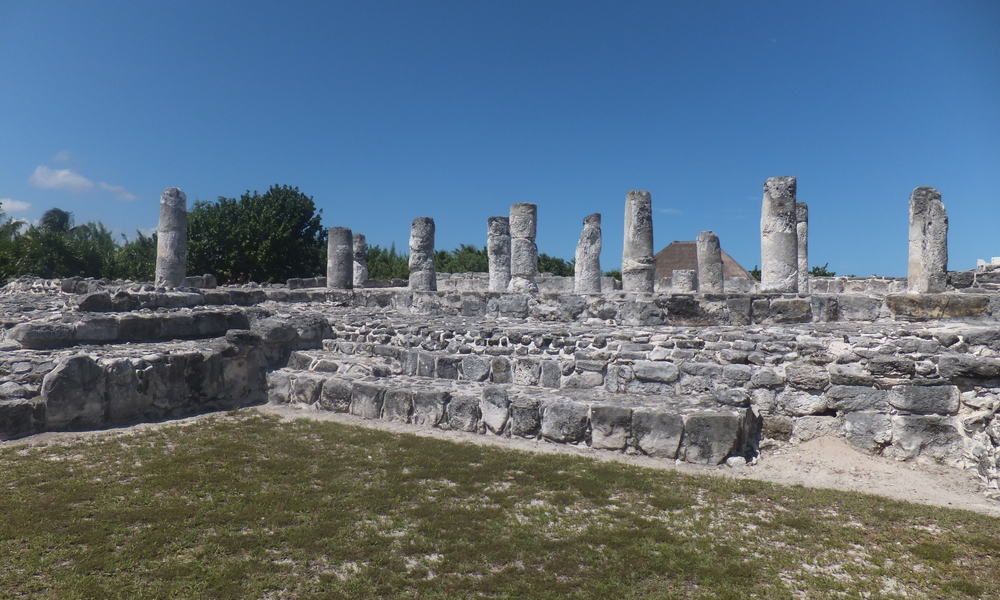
pixel 386 111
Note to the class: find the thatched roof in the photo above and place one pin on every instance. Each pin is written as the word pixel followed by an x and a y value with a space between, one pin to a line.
pixel 684 255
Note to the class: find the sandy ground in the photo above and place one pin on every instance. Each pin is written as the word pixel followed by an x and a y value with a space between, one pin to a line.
pixel 820 463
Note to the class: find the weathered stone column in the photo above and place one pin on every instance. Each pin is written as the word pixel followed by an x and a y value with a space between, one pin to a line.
pixel 587 267
pixel 360 260
pixel 638 263
pixel 710 278
pixel 171 239
pixel 684 281
pixel 927 271
pixel 340 259
pixel 498 250
pixel 423 276
pixel 802 237
pixel 779 255
pixel 523 251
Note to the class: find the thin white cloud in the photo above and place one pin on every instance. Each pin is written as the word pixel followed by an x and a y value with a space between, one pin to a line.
pixel 62 156
pixel 119 190
pixel 9 205
pixel 59 179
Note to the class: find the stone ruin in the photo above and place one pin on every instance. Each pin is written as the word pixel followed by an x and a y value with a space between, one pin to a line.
pixel 703 374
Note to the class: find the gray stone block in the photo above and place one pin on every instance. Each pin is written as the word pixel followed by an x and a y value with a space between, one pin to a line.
pixel 96 330
pixel 463 413
pixel 858 307
pixel 525 417
pixel 526 371
pixel 807 376
pixel 925 400
pixel 447 367
pixel 564 421
pixel 810 427
pixel 611 426
pixel 306 388
pixel 42 335
pixel 397 405
pixel 366 400
pixel 429 407
pixel 797 404
pixel 850 374
pixel 21 416
pixel 426 363
pixel 710 437
pixel 656 432
pixel 494 408
pixel 475 368
pixel 852 398
pixel 500 371
pixel 868 431
pixel 551 374
pixel 336 395
pixel 929 437
pixel 656 371
pixel 74 394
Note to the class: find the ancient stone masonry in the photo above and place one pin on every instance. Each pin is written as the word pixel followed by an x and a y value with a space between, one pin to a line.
pixel 523 251
pixel 422 270
pixel 340 259
pixel 710 279
pixel 360 260
pixel 587 269
pixel 802 241
pixel 927 269
pixel 779 268
pixel 638 263
pixel 684 281
pixel 171 244
pixel 498 251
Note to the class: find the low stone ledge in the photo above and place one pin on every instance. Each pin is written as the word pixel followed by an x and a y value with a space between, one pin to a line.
pixel 926 307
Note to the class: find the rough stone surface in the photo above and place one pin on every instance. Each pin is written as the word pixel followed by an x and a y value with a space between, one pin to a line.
pixel 463 413
pixel 340 259
pixel 868 431
pixel 360 249
pixel 710 276
pixel 657 432
pixel 587 267
pixel 171 239
pixel 366 400
pixel 494 408
pixel 611 425
pixel 930 438
pixel 429 407
pixel 710 437
pixel 638 262
pixel 564 421
pixel 925 400
pixel 523 251
pixel 927 269
pixel 74 395
pixel 684 281
pixel 423 277
pixel 498 252
pixel 778 238
pixel 802 241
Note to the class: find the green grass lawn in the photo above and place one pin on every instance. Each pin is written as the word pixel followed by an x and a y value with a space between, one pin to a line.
pixel 245 506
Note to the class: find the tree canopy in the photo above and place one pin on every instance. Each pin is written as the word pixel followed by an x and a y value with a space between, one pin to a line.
pixel 265 238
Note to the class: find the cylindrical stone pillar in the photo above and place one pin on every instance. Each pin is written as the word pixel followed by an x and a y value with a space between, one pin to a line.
pixel 779 255
pixel 523 251
pixel 587 267
pixel 684 281
pixel 171 239
pixel 498 251
pixel 423 275
pixel 710 278
pixel 802 236
pixel 360 260
pixel 638 262
pixel 340 259
pixel 927 271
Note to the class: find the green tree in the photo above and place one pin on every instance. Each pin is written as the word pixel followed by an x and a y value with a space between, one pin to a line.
pixel 135 259
pixel 387 264
pixel 755 272
pixel 556 266
pixel 464 259
pixel 265 238
pixel 822 271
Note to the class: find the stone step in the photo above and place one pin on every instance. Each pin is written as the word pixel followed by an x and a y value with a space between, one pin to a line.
pixel 685 428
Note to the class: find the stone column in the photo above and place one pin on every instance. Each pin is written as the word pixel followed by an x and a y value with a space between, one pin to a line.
pixel 340 259
pixel 498 250
pixel 710 278
pixel 171 239
pixel 927 271
pixel 360 260
pixel 684 281
pixel 779 255
pixel 523 251
pixel 423 276
pixel 587 269
pixel 638 263
pixel 802 237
